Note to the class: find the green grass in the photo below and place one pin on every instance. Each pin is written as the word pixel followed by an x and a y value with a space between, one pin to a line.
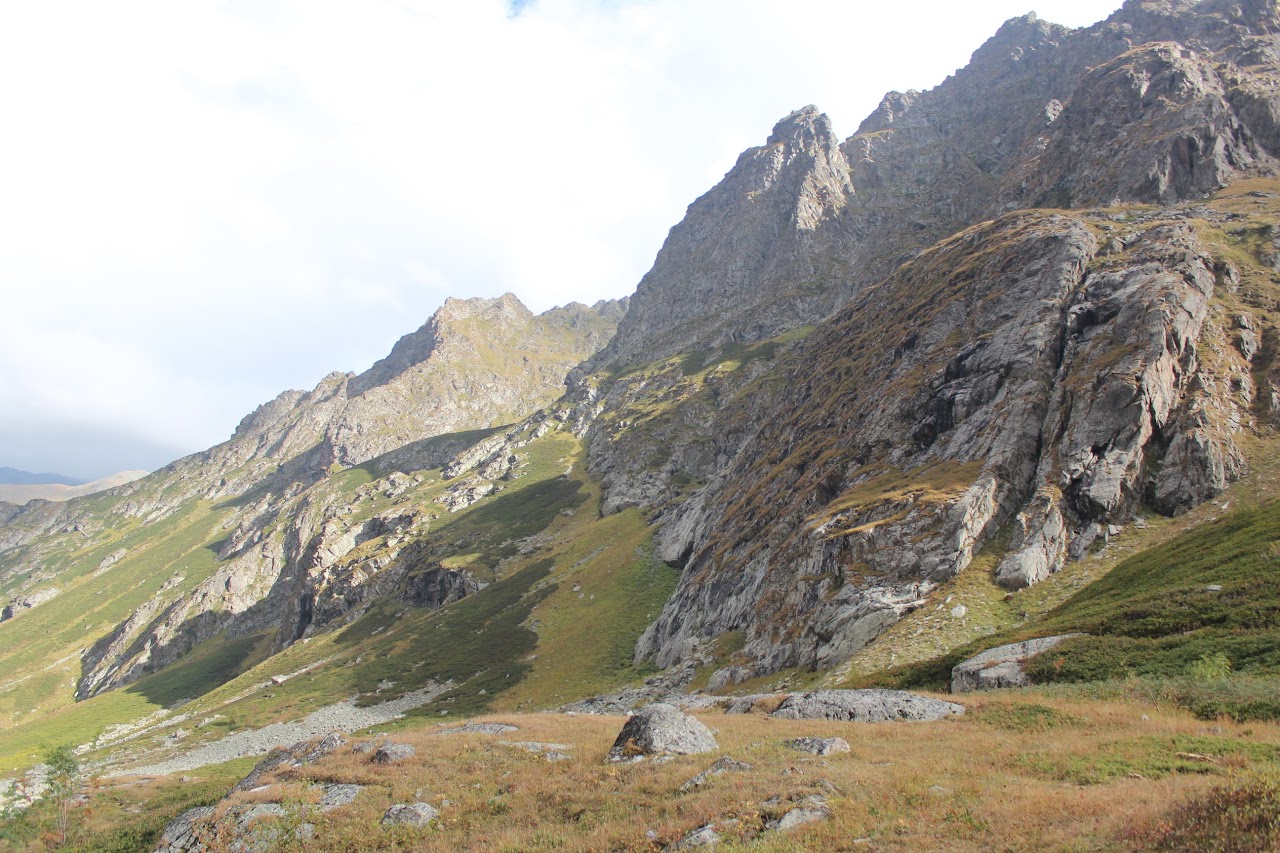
pixel 1150 757
pixel 46 642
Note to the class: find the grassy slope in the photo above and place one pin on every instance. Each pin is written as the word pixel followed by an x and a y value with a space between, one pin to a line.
pixel 527 639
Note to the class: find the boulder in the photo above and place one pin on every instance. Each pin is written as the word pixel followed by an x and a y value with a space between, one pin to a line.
pixel 1001 666
pixel 864 706
pixel 661 729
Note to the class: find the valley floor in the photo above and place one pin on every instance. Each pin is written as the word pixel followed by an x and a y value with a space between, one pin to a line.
pixel 1026 771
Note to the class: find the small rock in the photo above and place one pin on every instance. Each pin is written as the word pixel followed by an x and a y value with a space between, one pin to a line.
pixel 819 745
pixel 959 611
pixel 410 814
pixel 703 836
pixel 393 753
pixel 1213 587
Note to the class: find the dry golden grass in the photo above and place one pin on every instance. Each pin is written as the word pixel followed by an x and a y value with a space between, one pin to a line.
pixel 1007 776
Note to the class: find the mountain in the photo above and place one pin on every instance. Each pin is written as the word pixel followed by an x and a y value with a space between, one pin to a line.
pixel 14 477
pixel 1000 365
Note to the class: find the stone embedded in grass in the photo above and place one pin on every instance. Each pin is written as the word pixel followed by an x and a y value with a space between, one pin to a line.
pixel 661 729
pixel 549 751
pixel 410 814
pixel 703 836
pixel 864 706
pixel 338 795
pixel 1001 666
pixel 811 809
pixel 393 753
pixel 724 764
pixel 819 745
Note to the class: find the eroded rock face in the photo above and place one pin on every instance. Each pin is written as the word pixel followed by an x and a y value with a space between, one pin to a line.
pixel 661 729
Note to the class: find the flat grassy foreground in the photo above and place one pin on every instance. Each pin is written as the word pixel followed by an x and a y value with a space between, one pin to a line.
pixel 1017 772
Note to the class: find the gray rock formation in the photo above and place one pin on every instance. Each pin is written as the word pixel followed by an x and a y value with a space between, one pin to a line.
pixel 661 729
pixel 865 706
pixel 1001 666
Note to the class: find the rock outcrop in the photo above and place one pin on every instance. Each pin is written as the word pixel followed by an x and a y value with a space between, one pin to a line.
pixel 1001 666
pixel 865 706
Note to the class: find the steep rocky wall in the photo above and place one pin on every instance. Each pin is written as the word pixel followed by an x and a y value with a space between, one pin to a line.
pixel 1033 372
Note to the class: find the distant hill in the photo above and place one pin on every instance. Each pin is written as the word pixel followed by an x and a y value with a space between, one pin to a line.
pixel 15 477
pixel 20 493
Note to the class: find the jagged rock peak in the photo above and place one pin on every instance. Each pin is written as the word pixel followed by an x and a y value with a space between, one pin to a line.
pixel 729 264
pixel 1015 37
pixel 807 128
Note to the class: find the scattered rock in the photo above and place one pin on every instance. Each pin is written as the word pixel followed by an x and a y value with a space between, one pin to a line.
pixel 819 745
pixel 864 706
pixel 410 814
pixel 1213 587
pixel 661 729
pixel 393 753
pixel 1001 666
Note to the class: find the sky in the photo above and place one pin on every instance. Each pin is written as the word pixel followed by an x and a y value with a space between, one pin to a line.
pixel 203 204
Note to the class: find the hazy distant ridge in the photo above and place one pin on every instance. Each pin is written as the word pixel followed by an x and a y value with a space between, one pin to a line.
pixel 20 493
pixel 16 477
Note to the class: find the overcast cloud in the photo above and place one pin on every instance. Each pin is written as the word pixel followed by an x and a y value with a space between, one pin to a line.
pixel 205 203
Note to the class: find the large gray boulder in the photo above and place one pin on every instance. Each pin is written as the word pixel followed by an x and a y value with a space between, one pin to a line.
pixel 865 706
pixel 1001 666
pixel 661 729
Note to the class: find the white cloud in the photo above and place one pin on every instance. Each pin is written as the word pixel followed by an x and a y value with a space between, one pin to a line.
pixel 218 200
